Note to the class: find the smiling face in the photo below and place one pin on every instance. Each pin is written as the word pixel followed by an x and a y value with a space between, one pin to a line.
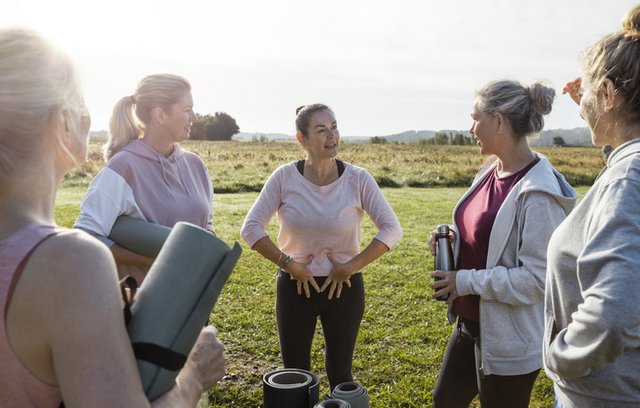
pixel 484 130
pixel 322 138
pixel 180 118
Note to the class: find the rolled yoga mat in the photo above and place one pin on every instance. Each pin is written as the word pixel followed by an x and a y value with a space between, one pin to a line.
pixel 174 302
pixel 290 388
pixel 138 235
pixel 333 403
pixel 353 393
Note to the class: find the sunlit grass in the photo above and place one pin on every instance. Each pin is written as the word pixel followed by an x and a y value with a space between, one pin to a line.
pixel 403 334
pixel 245 166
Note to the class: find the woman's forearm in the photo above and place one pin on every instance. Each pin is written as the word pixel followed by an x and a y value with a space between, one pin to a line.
pixel 373 251
pixel 265 247
pixel 127 257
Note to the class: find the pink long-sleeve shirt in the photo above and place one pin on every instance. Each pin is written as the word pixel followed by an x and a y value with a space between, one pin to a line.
pixel 318 220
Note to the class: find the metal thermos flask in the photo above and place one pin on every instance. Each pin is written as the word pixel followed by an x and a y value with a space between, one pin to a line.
pixel 444 253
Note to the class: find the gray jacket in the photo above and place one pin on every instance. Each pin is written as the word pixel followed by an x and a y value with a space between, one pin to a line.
pixel 592 311
pixel 511 287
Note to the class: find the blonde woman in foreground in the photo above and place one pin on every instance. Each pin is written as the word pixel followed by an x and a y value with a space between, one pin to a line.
pixel 62 332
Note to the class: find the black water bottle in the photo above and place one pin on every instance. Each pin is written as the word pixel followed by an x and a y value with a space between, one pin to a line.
pixel 443 260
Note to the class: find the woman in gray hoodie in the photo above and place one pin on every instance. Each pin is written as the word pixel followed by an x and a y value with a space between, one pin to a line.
pixel 592 312
pixel 502 225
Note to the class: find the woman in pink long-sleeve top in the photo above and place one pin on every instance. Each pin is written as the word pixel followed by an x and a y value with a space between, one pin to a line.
pixel 320 201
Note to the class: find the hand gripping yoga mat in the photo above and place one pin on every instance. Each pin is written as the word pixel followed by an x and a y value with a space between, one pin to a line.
pixel 138 235
pixel 333 403
pixel 353 393
pixel 174 302
pixel 290 388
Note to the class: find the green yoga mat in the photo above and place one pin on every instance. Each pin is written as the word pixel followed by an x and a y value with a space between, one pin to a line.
pixel 175 300
pixel 353 393
pixel 138 235
pixel 333 403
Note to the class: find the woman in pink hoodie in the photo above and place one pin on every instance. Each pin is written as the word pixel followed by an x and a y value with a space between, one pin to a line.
pixel 148 175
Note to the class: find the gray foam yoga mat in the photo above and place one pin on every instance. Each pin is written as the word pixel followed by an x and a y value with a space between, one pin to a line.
pixel 353 393
pixel 290 388
pixel 176 298
pixel 138 235
pixel 333 403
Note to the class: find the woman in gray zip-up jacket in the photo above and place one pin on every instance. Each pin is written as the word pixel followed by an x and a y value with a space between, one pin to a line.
pixel 592 312
pixel 502 225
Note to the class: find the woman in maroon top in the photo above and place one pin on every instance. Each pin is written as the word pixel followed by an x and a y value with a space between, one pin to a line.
pixel 501 229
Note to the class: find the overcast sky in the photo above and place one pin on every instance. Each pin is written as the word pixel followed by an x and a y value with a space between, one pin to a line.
pixel 384 66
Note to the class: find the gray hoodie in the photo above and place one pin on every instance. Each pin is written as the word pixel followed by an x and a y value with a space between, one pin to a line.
pixel 511 287
pixel 592 311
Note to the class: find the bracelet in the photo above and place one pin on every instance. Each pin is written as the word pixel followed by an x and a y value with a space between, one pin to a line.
pixel 285 262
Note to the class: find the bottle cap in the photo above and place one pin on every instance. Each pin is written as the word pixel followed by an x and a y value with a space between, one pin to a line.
pixel 443 230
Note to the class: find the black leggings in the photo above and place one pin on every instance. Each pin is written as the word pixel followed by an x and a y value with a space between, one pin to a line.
pixel 297 316
pixel 457 381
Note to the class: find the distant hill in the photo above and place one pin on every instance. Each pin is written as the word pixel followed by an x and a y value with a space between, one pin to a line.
pixel 571 137
pixel 98 135
pixel 256 136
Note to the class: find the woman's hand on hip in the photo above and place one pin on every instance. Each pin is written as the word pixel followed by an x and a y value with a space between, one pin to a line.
pixel 300 272
pixel 446 284
pixel 339 275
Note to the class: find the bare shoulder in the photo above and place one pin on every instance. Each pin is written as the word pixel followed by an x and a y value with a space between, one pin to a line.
pixel 71 259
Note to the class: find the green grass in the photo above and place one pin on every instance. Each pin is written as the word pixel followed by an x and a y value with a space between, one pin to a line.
pixel 403 333
pixel 244 166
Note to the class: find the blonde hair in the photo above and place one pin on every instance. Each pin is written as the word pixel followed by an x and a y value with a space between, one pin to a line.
pixel 617 57
pixel 128 124
pixel 37 83
pixel 524 106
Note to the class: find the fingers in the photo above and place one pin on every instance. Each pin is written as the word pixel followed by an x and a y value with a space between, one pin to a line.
pixel 308 260
pixel 315 285
pixel 432 243
pixel 299 285
pixel 572 85
pixel 339 291
pixel 333 288
pixel 206 361
pixel 438 274
pixel 326 283
pixel 306 289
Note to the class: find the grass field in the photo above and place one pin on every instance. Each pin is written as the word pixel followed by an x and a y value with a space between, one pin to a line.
pixel 403 333
pixel 244 166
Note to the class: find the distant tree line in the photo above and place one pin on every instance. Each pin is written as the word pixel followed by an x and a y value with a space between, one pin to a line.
pixel 219 126
pixel 440 138
pixel 451 138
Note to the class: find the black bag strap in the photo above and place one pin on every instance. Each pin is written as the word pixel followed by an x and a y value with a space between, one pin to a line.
pixel 130 283
pixel 160 356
